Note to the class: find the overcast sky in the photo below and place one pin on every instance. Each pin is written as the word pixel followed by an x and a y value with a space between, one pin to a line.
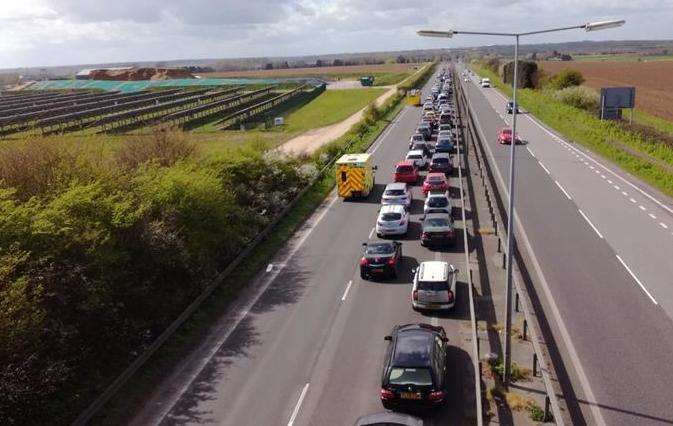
pixel 65 32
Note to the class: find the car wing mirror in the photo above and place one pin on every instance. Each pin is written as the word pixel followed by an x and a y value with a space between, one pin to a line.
pixel 375 168
pixel 388 338
pixel 445 339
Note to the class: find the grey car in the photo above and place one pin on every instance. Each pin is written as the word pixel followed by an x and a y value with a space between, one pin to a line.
pixel 438 230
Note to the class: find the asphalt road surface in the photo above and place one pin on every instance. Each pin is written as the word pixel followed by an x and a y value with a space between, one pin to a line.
pixel 601 243
pixel 304 345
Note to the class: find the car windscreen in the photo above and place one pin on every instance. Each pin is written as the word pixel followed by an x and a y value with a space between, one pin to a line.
pixel 410 376
pixel 433 285
pixel 404 169
pixel 383 248
pixel 436 221
pixel 395 192
pixel 387 217
pixel 414 157
pixel 438 202
pixel 440 160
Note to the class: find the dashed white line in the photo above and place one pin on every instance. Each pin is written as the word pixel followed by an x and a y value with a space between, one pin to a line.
pixel 590 224
pixel 371 233
pixel 609 181
pixel 545 169
pixel 632 200
pixel 651 215
pixel 531 152
pixel 562 189
pixel 348 287
pixel 298 406
pixel 617 187
pixel 624 193
pixel 597 172
pixel 642 208
pixel 636 279
pixel 663 225
pixel 603 177
pixel 591 167
pixel 269 268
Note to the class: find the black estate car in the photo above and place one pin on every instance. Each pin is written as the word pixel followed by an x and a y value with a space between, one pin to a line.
pixel 414 369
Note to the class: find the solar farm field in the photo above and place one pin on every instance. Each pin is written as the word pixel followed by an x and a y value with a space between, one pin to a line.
pixel 54 112
pixel 653 80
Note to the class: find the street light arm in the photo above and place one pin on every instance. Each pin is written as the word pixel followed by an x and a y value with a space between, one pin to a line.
pixel 484 33
pixel 574 27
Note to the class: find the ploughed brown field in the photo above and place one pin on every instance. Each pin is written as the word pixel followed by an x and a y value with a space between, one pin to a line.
pixel 653 80
pixel 345 71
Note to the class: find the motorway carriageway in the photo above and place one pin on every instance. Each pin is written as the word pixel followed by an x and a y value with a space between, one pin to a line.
pixel 601 244
pixel 304 342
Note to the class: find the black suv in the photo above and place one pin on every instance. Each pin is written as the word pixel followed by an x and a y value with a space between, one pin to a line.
pixel 414 369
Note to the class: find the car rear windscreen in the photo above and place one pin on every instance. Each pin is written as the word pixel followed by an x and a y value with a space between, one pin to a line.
pixel 414 157
pixel 383 248
pixel 440 160
pixel 386 217
pixel 437 221
pixel 404 169
pixel 410 376
pixel 438 202
pixel 395 192
pixel 433 285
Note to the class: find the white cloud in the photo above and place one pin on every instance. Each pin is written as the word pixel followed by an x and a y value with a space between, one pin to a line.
pixel 53 32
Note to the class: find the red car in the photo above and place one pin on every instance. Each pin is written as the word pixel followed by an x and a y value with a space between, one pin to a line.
pixel 406 171
pixel 435 182
pixel 505 136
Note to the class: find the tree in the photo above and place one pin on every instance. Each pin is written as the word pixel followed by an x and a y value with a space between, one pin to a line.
pixel 402 60
pixel 338 63
pixel 566 78
pixel 319 63
pixel 268 66
pixel 526 74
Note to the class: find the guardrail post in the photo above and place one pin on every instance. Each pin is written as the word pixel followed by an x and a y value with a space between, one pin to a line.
pixel 546 408
pixel 525 330
pixel 534 364
pixel 516 295
pixel 499 240
pixel 504 260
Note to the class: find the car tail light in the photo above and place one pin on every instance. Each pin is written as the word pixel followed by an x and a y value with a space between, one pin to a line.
pixel 364 261
pixel 414 295
pixel 425 235
pixel 391 261
pixel 450 294
pixel 403 222
pixel 436 396
pixel 450 233
pixel 387 394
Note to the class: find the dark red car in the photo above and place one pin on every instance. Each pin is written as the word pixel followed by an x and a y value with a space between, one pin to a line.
pixel 435 182
pixel 406 171
pixel 505 136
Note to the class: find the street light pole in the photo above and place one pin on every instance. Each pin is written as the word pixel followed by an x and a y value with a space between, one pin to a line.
pixel 590 26
pixel 510 227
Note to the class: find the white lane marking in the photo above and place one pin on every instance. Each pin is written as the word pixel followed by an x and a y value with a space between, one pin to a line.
pixel 609 181
pixel 590 224
pixel 624 193
pixel 298 406
pixel 348 287
pixel 642 208
pixel 597 172
pixel 617 187
pixel 371 233
pixel 651 215
pixel 663 225
pixel 636 279
pixel 545 169
pixel 269 268
pixel 531 152
pixel 565 335
pixel 632 200
pixel 562 189
pixel 591 167
pixel 261 289
pixel 602 176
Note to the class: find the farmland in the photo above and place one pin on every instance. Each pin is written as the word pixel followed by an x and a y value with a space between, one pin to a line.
pixel 653 80
pixel 384 74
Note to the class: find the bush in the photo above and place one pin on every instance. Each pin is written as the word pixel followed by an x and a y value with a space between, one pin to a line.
pixel 526 74
pixel 566 78
pixel 579 97
pixel 166 147
pixel 492 64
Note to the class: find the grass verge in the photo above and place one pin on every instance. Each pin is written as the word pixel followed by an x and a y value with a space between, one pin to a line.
pixel 599 136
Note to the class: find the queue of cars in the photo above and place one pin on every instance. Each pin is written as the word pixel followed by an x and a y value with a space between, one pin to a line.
pixel 415 365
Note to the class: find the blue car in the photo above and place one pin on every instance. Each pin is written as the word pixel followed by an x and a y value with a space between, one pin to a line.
pixel 444 145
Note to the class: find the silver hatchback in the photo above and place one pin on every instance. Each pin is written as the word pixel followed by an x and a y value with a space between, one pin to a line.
pixel 434 286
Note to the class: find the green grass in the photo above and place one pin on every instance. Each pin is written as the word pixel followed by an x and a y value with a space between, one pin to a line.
pixel 658 123
pixel 581 127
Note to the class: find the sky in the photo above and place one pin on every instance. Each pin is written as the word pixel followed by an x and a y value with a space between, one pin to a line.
pixel 68 32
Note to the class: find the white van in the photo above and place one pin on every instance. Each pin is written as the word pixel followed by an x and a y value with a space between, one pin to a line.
pixel 434 286
pixel 485 82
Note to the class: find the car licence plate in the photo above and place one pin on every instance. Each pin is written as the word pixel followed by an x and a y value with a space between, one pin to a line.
pixel 410 395
pixel 377 270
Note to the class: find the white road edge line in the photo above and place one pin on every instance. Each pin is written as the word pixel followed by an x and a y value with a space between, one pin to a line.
pixel 348 287
pixel 545 169
pixel 636 279
pixel 298 406
pixel 563 190
pixel 590 224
